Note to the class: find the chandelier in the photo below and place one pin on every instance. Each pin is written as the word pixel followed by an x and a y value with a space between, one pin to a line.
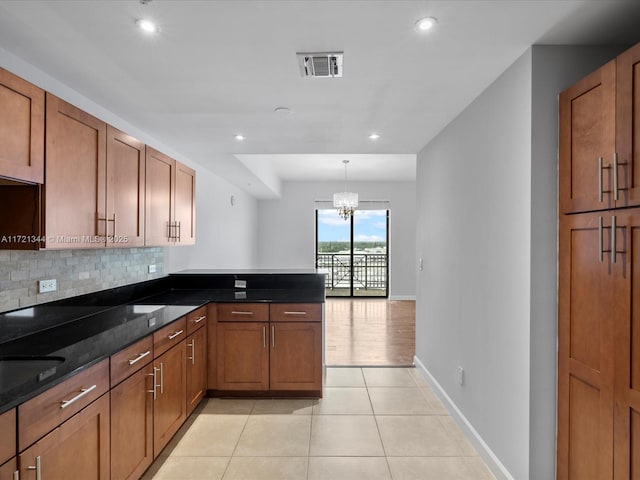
pixel 345 202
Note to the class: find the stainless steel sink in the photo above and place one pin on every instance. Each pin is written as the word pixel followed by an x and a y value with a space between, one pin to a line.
pixel 18 369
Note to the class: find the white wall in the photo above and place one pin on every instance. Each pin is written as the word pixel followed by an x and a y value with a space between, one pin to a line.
pixel 472 310
pixel 226 235
pixel 286 227
pixel 487 298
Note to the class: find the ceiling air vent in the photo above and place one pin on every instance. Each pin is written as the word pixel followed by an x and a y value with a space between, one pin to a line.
pixel 320 64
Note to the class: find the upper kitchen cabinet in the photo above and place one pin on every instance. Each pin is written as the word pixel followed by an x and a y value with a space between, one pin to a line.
pixel 600 138
pixel 170 201
pixel 94 182
pixel 125 190
pixel 21 129
pixel 185 208
pixel 160 179
pixel 628 128
pixel 75 181
pixel 587 142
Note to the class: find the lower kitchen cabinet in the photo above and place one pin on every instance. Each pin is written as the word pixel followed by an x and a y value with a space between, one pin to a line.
pixel 196 368
pixel 9 470
pixel 132 426
pixel 78 448
pixel 169 408
pixel 243 355
pixel 296 356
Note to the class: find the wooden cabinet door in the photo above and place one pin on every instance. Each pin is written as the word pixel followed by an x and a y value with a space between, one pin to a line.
pixel 9 469
pixel 75 206
pixel 169 408
pixel 132 426
pixel 185 208
pixel 125 189
pixel 296 356
pixel 8 439
pixel 628 127
pixel 79 448
pixel 21 129
pixel 587 296
pixel 587 133
pixel 159 203
pixel 243 356
pixel 196 368
pixel 627 348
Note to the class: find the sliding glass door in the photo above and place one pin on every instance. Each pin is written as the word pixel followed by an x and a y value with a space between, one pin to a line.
pixel 353 253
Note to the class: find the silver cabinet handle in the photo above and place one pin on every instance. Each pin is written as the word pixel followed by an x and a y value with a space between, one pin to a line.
pixel 600 179
pixel 139 357
pixel 161 378
pixel 273 336
pixel 16 475
pixel 199 319
pixel 615 176
pixel 83 392
pixel 295 313
pixel 192 345
pixel 37 468
pixel 233 312
pixel 613 239
pixel 600 247
pixel 264 336
pixel 174 335
pixel 155 385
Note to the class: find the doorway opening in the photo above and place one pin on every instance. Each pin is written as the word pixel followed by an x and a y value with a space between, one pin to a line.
pixel 354 253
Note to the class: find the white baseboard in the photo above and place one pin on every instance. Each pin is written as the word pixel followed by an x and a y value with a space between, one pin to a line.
pixel 490 458
pixel 402 297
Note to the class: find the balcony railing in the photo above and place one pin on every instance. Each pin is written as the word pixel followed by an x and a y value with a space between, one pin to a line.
pixel 370 272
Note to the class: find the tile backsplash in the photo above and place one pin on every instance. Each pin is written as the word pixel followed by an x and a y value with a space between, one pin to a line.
pixel 76 271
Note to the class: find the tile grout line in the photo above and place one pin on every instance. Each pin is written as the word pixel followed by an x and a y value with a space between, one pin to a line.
pixel 375 419
pixel 226 469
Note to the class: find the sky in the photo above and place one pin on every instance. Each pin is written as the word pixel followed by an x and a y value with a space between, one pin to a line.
pixel 369 226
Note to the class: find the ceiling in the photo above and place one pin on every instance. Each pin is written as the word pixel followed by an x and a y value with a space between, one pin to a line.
pixel 219 68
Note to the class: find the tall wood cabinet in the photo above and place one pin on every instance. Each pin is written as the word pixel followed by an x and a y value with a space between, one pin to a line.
pixel 598 326
pixel 21 129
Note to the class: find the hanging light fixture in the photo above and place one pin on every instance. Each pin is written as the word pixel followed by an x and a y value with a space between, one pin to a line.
pixel 345 202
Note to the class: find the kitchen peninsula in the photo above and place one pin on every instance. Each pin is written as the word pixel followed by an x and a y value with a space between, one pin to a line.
pixel 118 371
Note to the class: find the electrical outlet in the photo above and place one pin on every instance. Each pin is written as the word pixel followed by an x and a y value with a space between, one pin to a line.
pixel 460 373
pixel 45 286
pixel 152 269
pixel 240 284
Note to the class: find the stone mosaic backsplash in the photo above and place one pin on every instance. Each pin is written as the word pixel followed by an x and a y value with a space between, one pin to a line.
pixel 76 271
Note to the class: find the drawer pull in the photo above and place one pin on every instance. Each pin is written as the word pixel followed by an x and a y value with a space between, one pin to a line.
pixel 37 468
pixel 83 392
pixel 155 384
pixel 241 313
pixel 139 357
pixel 192 346
pixel 174 335
pixel 295 313
pixel 199 319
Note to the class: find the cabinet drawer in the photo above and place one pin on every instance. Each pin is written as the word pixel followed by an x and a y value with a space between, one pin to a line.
pixel 40 415
pixel 243 312
pixel 196 320
pixel 296 312
pixel 167 337
pixel 131 359
pixel 8 437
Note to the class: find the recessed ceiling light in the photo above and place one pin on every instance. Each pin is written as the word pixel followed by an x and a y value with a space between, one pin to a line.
pixel 147 25
pixel 425 24
pixel 239 137
pixel 374 136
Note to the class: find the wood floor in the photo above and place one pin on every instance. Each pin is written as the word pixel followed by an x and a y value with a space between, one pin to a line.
pixel 369 332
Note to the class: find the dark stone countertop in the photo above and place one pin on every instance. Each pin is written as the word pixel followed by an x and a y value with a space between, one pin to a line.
pixel 87 329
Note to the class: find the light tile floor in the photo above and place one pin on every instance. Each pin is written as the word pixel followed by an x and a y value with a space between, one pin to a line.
pixel 371 424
